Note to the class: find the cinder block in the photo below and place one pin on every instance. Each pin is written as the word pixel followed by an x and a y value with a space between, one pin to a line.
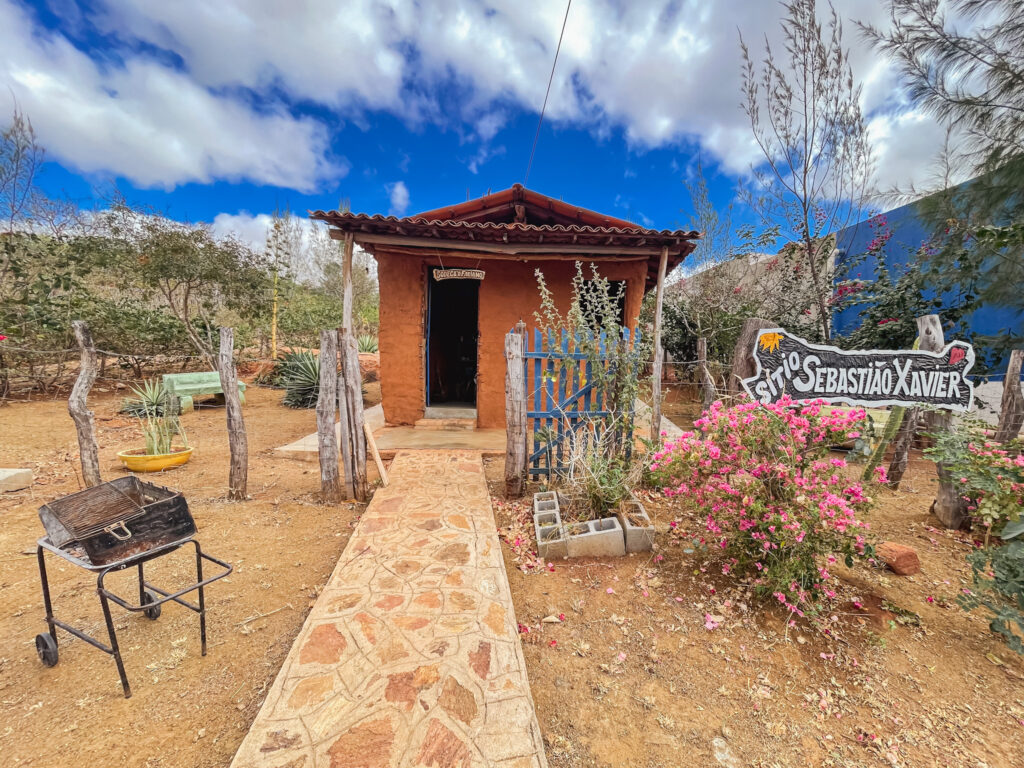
pixel 637 526
pixel 596 538
pixel 15 479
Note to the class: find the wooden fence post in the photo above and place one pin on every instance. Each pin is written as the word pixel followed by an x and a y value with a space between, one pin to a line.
pixel 659 300
pixel 326 408
pixel 238 476
pixel 352 384
pixel 78 408
pixel 1011 414
pixel 707 382
pixel 515 415
pixel 743 365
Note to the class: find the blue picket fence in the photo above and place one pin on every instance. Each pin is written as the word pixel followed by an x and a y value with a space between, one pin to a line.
pixel 561 397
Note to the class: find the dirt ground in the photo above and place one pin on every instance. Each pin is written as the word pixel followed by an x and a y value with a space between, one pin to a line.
pixel 185 710
pixel 634 677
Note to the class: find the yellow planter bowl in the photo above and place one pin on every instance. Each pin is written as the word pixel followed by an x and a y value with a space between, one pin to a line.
pixel 138 462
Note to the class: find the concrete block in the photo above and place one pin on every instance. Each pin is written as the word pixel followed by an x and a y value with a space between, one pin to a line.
pixel 551 544
pixel 15 479
pixel 637 526
pixel 596 538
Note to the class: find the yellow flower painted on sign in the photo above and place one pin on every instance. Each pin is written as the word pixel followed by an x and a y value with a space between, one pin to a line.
pixel 770 341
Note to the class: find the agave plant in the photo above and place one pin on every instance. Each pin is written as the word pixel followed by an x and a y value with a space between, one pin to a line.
pixel 367 343
pixel 300 376
pixel 150 399
pixel 160 431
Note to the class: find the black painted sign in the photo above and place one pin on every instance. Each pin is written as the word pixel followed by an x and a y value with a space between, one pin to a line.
pixel 788 365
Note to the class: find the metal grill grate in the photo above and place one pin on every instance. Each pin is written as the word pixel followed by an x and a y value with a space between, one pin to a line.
pixel 90 511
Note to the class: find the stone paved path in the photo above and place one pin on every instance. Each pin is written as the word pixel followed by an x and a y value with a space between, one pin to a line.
pixel 410 656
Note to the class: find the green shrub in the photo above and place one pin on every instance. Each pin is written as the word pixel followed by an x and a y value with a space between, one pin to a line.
pixel 367 343
pixel 999 586
pixel 300 377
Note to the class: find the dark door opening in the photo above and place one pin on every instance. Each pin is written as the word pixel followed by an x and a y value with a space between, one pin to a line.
pixel 452 341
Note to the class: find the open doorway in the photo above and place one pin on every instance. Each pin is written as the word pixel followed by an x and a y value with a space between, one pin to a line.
pixel 452 342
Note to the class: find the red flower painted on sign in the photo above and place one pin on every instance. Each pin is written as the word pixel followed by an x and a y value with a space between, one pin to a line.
pixel 956 354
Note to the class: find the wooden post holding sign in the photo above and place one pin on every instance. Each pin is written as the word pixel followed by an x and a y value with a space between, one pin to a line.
pixel 934 375
pixel 515 414
pixel 78 407
pixel 1011 412
pixel 742 359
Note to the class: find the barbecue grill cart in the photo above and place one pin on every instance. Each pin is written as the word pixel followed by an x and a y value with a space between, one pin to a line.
pixel 111 527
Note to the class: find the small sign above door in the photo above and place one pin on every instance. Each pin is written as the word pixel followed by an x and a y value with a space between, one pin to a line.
pixel 788 365
pixel 458 274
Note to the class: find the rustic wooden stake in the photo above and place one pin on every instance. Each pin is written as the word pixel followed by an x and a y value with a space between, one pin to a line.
pixel 344 425
pixel 515 415
pixel 1011 415
pixel 326 408
pixel 659 300
pixel 346 282
pixel 238 476
pixel 85 426
pixel 372 444
pixel 353 385
pixel 743 365
pixel 710 394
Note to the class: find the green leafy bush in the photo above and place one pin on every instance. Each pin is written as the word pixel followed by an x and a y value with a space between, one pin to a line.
pixel 999 586
pixel 367 343
pixel 991 475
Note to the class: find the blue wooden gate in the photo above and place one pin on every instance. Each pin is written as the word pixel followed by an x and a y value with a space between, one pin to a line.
pixel 561 398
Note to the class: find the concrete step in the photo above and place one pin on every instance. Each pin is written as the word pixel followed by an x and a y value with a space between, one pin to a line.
pixel 447 411
pixel 446 424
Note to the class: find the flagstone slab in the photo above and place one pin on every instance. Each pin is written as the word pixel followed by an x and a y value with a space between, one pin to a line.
pixel 410 656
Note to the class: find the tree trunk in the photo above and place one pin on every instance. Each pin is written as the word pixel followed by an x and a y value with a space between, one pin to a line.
pixel 743 365
pixel 708 383
pixel 515 415
pixel 1011 415
pixel 326 408
pixel 79 409
pixel 659 300
pixel 901 445
pixel 238 476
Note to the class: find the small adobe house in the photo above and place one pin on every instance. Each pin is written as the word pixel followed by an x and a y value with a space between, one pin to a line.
pixel 455 280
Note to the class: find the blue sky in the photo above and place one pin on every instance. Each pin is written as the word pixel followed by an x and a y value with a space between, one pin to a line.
pixel 224 111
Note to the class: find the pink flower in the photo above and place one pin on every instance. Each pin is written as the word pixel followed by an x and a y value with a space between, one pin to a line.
pixel 709 622
pixel 622 656
pixel 610 591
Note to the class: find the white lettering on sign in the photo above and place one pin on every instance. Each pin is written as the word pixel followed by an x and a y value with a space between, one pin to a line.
pixel 788 365
pixel 458 274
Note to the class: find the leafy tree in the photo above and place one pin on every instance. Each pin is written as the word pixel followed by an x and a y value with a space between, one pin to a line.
pixel 804 112
pixel 963 61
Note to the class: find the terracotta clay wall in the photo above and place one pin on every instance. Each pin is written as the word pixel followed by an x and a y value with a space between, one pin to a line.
pixel 507 294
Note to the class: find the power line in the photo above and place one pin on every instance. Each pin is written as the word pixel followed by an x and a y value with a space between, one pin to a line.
pixel 547 93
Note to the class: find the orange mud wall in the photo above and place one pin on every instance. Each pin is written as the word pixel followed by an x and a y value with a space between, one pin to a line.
pixel 508 294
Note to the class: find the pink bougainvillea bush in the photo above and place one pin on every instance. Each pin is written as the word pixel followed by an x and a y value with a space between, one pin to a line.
pixel 777 505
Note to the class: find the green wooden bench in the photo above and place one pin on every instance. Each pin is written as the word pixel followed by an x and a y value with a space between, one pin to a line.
pixel 186 386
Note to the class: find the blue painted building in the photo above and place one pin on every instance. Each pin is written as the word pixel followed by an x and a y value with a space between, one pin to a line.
pixel 910 233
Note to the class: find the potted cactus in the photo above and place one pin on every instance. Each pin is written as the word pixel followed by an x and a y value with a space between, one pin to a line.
pixel 160 428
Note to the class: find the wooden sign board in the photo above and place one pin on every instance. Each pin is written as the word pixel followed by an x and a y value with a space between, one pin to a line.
pixel 458 274
pixel 788 365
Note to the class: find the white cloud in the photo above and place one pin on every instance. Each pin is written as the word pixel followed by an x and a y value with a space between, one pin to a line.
pixel 147 122
pixel 664 74
pixel 398 197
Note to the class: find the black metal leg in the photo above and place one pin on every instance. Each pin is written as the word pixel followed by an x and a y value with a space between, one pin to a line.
pixel 47 603
pixel 142 586
pixel 202 597
pixel 115 651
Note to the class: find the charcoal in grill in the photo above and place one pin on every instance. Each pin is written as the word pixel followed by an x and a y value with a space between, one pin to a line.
pixel 118 519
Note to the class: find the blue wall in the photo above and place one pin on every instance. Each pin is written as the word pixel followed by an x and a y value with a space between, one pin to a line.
pixel 909 233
